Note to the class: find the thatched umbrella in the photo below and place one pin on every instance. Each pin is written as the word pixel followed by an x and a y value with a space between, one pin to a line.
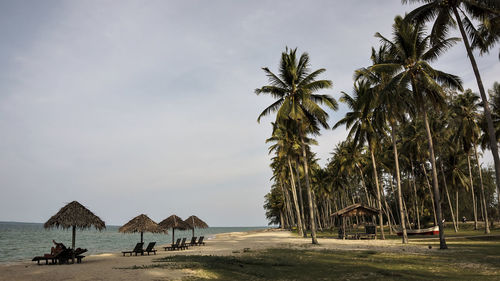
pixel 195 222
pixel 141 223
pixel 174 222
pixel 75 215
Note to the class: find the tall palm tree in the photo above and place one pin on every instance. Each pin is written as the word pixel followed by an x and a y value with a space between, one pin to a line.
pixel 467 116
pixel 361 121
pixel 295 89
pixel 285 142
pixel 411 53
pixel 389 103
pixel 447 14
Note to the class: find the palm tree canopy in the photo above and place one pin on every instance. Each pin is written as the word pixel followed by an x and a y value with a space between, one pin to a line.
pixel 294 88
pixel 75 214
pixel 411 53
pixel 142 223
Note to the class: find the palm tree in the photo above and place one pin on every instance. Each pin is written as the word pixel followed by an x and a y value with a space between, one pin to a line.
pixel 411 54
pixel 361 121
pixel 389 105
pixel 467 117
pixel 294 88
pixel 284 144
pixel 443 12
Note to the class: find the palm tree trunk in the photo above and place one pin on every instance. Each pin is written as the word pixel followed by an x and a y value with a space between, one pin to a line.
pixel 437 198
pixel 285 206
pixel 388 214
pixel 431 195
pixel 485 211
pixel 456 207
pixel 474 207
pixel 449 200
pixel 379 202
pixel 282 220
pixel 316 211
pixel 486 106
pixel 415 192
pixel 364 185
pixel 301 202
pixel 295 200
pixel 398 180
pixel 309 192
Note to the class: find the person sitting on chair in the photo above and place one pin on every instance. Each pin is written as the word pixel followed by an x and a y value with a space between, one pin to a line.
pixel 57 249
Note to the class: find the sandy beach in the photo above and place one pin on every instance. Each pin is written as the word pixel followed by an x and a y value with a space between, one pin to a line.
pixel 112 266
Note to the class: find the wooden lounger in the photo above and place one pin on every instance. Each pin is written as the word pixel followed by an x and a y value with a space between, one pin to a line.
pixel 173 246
pixel 61 257
pixel 193 241
pixel 200 241
pixel 136 250
pixel 150 248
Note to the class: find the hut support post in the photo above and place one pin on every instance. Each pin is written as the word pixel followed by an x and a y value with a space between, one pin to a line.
pixel 343 227
pixel 142 233
pixel 193 231
pixel 73 244
pixel 173 235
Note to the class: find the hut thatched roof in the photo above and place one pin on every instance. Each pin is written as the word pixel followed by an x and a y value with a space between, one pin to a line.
pixel 75 214
pixel 142 223
pixel 357 209
pixel 195 222
pixel 174 222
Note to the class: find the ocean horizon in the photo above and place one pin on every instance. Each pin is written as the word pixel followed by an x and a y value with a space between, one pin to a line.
pixel 21 241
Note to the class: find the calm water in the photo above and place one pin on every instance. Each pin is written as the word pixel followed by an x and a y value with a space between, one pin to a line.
pixel 23 241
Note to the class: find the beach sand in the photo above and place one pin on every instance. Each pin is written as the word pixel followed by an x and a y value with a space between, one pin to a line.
pixel 110 266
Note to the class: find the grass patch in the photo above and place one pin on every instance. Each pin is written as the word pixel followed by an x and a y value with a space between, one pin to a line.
pixel 465 260
pixel 465 229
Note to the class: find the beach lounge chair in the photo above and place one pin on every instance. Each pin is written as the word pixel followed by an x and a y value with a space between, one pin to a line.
pixel 136 250
pixel 150 247
pixel 183 245
pixel 78 254
pixel 173 246
pixel 193 241
pixel 200 241
pixel 61 257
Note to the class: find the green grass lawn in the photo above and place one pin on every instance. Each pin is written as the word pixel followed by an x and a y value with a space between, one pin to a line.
pixel 466 260
pixel 465 229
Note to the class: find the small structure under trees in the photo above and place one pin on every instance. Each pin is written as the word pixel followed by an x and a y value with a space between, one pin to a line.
pixel 357 209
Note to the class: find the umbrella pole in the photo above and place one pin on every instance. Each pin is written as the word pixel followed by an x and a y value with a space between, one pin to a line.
pixel 73 244
pixel 173 235
pixel 193 231
pixel 141 237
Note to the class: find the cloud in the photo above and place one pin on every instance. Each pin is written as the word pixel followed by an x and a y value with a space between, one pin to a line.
pixel 128 106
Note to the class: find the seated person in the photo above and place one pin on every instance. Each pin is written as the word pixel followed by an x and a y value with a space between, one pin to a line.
pixel 57 249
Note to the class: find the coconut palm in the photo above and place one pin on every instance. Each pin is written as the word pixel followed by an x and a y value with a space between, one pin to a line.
pixel 361 121
pixel 467 116
pixel 447 14
pixel 411 53
pixel 390 104
pixel 294 88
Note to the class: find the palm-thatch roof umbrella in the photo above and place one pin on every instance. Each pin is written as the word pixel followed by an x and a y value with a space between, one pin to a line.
pixel 174 222
pixel 141 223
pixel 75 215
pixel 195 222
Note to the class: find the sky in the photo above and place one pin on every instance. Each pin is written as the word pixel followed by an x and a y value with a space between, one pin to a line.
pixel 134 107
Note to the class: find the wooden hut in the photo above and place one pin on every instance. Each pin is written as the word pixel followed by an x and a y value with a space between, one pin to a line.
pixel 357 209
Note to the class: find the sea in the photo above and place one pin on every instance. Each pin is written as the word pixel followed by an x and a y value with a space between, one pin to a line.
pixel 21 241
